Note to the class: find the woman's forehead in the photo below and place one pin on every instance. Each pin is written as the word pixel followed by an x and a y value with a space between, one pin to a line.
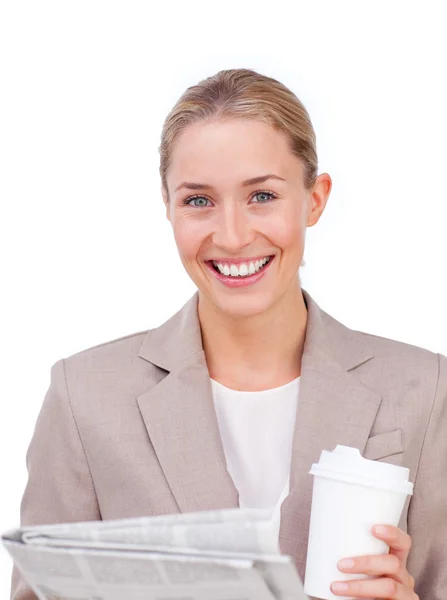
pixel 240 151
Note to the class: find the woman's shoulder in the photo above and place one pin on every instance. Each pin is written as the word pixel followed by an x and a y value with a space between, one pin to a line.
pixel 112 364
pixel 344 340
pixel 181 325
pixel 380 351
pixel 396 363
pixel 114 345
pixel 389 347
pixel 382 362
pixel 108 355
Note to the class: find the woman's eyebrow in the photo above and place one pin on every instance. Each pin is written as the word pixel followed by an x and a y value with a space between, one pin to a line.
pixel 202 186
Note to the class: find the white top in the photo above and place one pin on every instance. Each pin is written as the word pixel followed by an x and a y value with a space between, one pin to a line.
pixel 257 433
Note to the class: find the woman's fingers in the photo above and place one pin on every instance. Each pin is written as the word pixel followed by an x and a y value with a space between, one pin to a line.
pixel 392 580
pixel 378 565
pixel 383 587
pixel 398 541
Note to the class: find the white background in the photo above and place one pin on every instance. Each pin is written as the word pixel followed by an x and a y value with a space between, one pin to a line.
pixel 86 252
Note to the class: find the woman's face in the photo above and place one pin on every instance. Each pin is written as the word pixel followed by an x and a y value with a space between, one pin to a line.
pixel 226 226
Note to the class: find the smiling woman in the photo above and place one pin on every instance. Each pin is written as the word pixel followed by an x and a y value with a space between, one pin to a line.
pixel 234 223
pixel 230 401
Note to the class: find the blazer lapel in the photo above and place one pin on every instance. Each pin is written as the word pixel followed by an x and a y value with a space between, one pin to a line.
pixel 180 417
pixel 334 407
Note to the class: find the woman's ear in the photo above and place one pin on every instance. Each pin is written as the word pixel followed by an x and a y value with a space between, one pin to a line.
pixel 319 197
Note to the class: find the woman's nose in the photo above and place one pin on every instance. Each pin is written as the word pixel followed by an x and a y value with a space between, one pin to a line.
pixel 233 230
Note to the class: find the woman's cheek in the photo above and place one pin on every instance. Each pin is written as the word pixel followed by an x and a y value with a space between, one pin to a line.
pixel 285 234
pixel 189 237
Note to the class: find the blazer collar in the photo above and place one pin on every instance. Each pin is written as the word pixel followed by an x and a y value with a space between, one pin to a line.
pixel 334 407
pixel 179 338
pixel 176 340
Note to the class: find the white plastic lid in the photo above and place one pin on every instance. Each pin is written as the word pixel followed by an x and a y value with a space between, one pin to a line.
pixel 348 465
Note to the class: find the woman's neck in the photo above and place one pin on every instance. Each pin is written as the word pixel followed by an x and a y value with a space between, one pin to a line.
pixel 259 352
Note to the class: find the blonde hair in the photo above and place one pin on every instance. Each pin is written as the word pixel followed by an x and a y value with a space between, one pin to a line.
pixel 242 94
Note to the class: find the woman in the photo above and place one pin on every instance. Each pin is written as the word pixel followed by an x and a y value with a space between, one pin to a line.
pixel 251 379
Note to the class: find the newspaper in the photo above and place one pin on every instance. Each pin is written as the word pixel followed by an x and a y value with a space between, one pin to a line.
pixel 210 555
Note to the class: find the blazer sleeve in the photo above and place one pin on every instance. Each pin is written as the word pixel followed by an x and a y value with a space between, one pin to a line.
pixel 427 516
pixel 60 486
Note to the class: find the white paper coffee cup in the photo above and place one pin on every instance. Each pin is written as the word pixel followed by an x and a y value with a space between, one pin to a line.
pixel 350 495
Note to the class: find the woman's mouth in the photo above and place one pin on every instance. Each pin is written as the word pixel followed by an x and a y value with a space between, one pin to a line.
pixel 240 273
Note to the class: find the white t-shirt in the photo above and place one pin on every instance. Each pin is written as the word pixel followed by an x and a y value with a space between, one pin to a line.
pixel 257 433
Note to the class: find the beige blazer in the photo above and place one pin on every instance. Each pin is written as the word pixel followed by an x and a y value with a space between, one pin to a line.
pixel 128 428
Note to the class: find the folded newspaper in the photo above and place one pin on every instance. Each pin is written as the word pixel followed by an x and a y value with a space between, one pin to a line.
pixel 211 555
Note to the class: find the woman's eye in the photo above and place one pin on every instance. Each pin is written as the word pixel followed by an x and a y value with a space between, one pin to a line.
pixel 263 197
pixel 201 201
pixel 198 201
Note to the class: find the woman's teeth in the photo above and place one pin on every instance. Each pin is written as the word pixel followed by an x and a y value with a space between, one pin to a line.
pixel 243 270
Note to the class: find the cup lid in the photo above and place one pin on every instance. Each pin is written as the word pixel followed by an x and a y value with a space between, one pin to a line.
pixel 347 464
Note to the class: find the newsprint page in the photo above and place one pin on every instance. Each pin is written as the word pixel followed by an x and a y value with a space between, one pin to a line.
pixel 211 555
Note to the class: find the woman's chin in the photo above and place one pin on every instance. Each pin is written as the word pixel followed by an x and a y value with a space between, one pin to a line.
pixel 243 307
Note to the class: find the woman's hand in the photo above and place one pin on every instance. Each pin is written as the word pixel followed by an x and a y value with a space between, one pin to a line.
pixel 394 581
